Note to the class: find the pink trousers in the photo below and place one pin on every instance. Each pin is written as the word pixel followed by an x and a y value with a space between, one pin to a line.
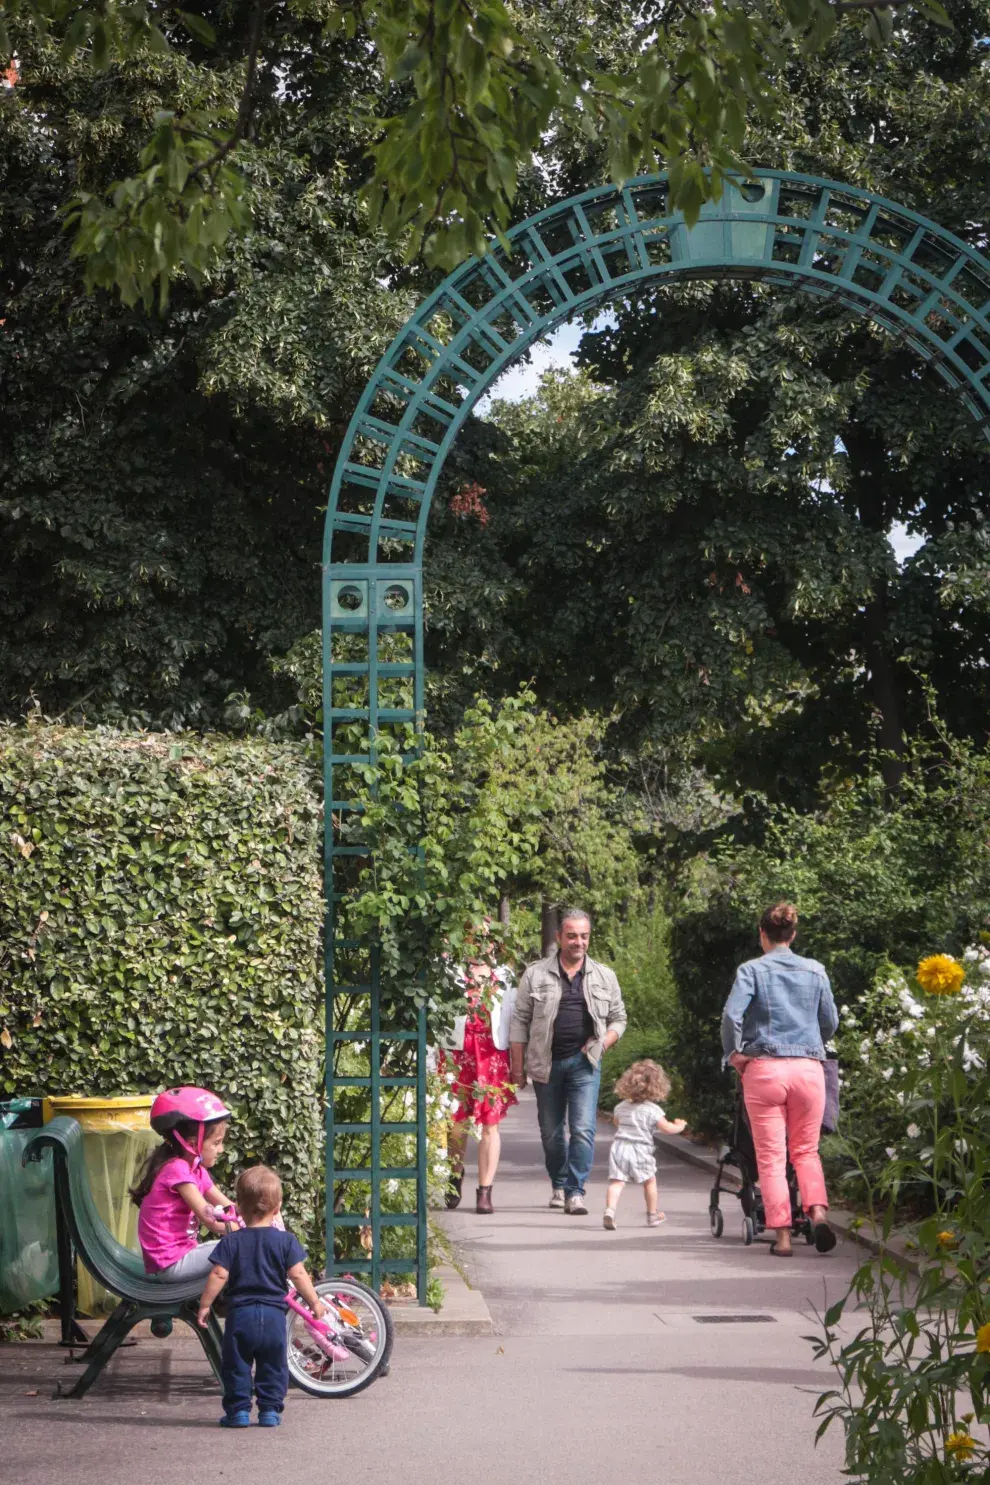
pixel 785 1101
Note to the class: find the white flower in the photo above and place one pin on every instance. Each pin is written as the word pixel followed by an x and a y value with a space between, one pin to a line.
pixel 865 1045
pixel 891 1153
pixel 900 1098
pixel 961 1147
pixel 930 1033
pixel 913 1132
pixel 905 1026
pixel 887 1074
pixel 880 1038
pixel 985 967
pixel 971 955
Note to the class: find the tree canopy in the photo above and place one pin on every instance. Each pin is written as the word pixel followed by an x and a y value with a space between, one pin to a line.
pixel 470 91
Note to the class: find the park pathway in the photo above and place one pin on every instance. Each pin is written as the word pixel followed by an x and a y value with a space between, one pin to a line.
pixel 609 1367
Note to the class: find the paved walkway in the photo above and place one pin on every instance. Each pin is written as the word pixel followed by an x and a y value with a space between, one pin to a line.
pixel 602 1372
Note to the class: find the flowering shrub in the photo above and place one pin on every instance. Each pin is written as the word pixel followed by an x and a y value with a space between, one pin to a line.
pixel 886 1042
pixel 913 1391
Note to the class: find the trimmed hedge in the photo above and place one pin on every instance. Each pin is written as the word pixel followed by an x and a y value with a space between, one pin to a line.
pixel 160 922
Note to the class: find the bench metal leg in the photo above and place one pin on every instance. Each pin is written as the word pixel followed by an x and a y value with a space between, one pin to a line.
pixel 211 1339
pixel 116 1329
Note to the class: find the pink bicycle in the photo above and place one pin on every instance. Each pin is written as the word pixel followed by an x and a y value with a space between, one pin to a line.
pixel 345 1351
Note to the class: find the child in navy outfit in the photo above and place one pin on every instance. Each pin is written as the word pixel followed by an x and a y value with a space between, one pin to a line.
pixel 255 1265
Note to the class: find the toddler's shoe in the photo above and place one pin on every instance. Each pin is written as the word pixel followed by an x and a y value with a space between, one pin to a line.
pixel 268 1419
pixel 236 1420
pixel 608 1221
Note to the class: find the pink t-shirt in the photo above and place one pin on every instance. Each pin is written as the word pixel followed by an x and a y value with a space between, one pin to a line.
pixel 168 1228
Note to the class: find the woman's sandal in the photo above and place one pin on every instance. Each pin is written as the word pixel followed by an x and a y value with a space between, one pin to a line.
pixel 825 1239
pixel 781 1252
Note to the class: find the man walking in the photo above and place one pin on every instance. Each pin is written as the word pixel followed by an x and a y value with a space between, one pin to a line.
pixel 568 1012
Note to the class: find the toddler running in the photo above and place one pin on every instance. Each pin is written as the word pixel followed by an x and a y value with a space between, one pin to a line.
pixel 175 1191
pixel 636 1118
pixel 256 1265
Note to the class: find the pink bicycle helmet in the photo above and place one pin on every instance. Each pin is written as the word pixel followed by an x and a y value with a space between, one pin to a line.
pixel 187 1105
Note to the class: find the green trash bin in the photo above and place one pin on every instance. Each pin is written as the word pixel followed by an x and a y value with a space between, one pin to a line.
pixel 28 1241
pixel 117 1136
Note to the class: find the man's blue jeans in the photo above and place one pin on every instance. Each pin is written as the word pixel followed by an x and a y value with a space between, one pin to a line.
pixel 571 1098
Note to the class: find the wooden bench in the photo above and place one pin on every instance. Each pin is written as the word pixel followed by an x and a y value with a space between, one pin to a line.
pixel 117 1268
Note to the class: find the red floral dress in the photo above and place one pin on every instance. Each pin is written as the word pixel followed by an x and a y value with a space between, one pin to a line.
pixel 481 1088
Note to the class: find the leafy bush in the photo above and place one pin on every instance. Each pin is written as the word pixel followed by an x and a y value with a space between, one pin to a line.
pixel 641 959
pixel 160 922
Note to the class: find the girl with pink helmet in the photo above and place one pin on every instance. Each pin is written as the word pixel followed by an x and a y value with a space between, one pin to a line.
pixel 175 1192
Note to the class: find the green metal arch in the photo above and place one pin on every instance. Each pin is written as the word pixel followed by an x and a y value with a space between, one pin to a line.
pixel 921 282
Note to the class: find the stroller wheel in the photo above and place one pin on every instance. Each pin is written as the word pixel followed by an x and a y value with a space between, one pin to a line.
pixel 716 1221
pixel 748 1230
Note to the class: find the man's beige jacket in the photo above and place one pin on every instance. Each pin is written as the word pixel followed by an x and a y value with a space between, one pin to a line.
pixel 538 1000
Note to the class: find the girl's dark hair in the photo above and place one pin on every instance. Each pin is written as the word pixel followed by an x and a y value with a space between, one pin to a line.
pixel 167 1150
pixel 780 922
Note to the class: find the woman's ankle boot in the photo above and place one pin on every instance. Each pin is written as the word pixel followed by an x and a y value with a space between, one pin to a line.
pixel 454 1190
pixel 483 1201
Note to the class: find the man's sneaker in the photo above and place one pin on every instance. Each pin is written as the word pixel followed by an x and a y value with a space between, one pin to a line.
pixel 557 1200
pixel 608 1221
pixel 574 1206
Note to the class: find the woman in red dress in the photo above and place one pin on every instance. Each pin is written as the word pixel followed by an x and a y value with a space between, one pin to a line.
pixel 482 1089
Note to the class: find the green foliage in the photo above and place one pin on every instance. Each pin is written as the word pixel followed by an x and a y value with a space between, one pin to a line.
pixel 911 1389
pixel 162 477
pixel 517 804
pixel 476 89
pixel 25 1325
pixel 641 960
pixel 160 923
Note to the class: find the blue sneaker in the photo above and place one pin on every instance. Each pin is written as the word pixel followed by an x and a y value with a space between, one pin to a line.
pixel 269 1419
pixel 236 1420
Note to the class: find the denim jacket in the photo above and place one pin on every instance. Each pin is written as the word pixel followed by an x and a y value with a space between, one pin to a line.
pixel 780 1006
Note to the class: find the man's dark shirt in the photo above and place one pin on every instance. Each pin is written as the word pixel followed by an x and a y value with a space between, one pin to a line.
pixel 573 1026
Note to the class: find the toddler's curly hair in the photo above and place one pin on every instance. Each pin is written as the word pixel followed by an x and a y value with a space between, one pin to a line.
pixel 643 1082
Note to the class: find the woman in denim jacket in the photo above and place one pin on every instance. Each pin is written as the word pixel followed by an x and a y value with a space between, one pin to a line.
pixel 776 1022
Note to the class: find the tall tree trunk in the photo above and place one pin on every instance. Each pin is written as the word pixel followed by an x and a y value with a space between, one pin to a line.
pixel 885 691
pixel 876 505
pixel 548 927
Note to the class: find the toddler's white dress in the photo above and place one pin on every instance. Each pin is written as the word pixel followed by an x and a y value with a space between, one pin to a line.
pixel 632 1156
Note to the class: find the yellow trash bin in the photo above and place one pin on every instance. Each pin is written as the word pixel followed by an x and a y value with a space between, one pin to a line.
pixel 117 1137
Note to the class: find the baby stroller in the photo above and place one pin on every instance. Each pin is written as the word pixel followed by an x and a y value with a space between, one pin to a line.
pixel 741 1153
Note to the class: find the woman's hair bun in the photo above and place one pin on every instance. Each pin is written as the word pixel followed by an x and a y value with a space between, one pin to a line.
pixel 780 922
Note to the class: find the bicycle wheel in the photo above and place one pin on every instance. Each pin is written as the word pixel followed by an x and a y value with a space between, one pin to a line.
pixel 362 1341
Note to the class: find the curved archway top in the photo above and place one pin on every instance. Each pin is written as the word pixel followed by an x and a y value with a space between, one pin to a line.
pixel 892 265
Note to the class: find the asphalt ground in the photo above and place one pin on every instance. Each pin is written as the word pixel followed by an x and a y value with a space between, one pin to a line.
pixel 627 1356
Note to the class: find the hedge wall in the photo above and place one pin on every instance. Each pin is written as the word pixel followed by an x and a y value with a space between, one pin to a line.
pixel 160 922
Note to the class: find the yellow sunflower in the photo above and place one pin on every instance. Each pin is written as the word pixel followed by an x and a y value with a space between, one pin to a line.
pixel 940 974
pixel 983 1338
pixel 960 1446
pixel 946 1239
